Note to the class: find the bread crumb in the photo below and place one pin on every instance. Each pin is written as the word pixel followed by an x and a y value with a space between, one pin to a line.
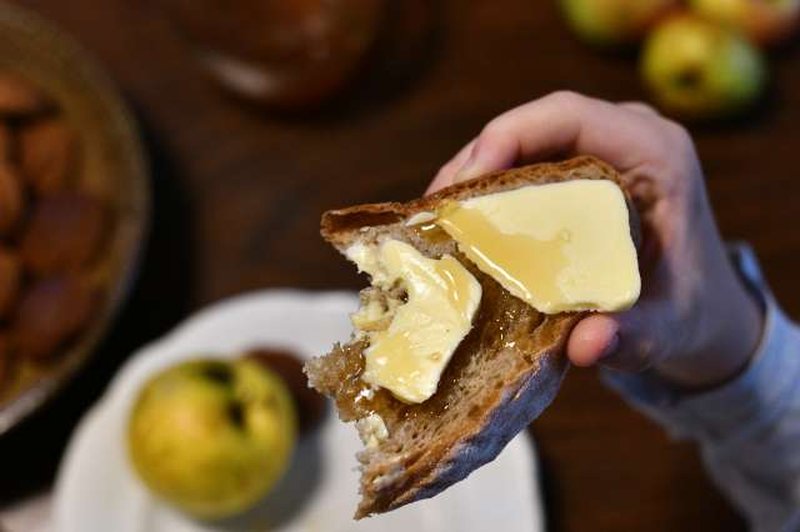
pixel 372 430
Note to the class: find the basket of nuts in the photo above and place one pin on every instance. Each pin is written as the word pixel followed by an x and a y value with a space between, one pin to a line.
pixel 73 209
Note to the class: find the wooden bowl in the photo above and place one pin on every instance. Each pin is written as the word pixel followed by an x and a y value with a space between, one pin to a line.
pixel 113 168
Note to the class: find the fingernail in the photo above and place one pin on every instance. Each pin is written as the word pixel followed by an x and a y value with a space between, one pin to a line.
pixel 611 348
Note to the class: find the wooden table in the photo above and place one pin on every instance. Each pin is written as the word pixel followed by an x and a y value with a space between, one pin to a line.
pixel 239 194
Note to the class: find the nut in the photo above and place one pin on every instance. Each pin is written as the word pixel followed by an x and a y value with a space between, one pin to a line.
pixel 51 313
pixel 10 281
pixel 65 232
pixel 48 154
pixel 12 202
pixel 19 97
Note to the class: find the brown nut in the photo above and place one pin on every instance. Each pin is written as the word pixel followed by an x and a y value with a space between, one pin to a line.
pixel 65 232
pixel 10 281
pixel 12 199
pixel 48 154
pixel 51 313
pixel 19 97
pixel 310 404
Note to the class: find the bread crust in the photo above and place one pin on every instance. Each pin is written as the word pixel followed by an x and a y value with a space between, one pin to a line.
pixel 388 484
pixel 340 227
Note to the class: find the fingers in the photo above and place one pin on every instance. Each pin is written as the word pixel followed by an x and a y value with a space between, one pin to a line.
pixel 563 123
pixel 624 136
pixel 610 340
pixel 632 341
pixel 445 175
pixel 640 107
pixel 593 339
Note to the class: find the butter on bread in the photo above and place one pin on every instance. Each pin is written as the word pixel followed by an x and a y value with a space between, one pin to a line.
pixel 501 376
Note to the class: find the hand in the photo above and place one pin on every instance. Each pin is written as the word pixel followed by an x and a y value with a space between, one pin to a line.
pixel 695 324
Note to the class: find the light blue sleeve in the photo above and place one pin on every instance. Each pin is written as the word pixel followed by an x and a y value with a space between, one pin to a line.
pixel 749 428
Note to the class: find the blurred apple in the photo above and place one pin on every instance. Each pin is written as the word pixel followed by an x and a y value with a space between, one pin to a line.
pixel 698 69
pixel 614 22
pixel 212 437
pixel 766 22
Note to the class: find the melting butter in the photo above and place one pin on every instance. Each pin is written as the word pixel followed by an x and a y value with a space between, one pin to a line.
pixel 409 356
pixel 559 247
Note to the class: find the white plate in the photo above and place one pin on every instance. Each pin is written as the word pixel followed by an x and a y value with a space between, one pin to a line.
pixel 97 491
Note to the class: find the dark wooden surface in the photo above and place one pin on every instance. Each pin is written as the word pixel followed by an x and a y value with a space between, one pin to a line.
pixel 239 194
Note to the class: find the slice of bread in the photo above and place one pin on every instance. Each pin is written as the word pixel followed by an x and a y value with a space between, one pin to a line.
pixel 502 375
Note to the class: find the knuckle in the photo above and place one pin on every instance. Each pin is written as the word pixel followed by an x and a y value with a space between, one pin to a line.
pixel 645 107
pixel 677 138
pixel 502 125
pixel 677 132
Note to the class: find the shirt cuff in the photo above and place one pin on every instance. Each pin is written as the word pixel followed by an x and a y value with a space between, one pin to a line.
pixel 755 395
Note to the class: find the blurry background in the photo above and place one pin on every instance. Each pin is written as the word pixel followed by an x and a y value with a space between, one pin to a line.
pixel 238 191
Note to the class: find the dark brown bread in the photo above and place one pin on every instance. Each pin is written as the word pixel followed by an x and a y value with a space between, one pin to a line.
pixel 501 377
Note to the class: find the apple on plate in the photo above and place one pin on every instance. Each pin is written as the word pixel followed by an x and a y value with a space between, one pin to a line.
pixel 614 22
pixel 699 69
pixel 212 437
pixel 766 22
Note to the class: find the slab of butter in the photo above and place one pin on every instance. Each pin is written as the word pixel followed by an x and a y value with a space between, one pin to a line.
pixel 409 356
pixel 560 247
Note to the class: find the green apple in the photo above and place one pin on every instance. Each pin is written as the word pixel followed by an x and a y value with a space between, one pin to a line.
pixel 698 69
pixel 766 22
pixel 613 22
pixel 211 436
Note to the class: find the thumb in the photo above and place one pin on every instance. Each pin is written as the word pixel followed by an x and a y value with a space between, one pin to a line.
pixel 624 341
pixel 593 339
